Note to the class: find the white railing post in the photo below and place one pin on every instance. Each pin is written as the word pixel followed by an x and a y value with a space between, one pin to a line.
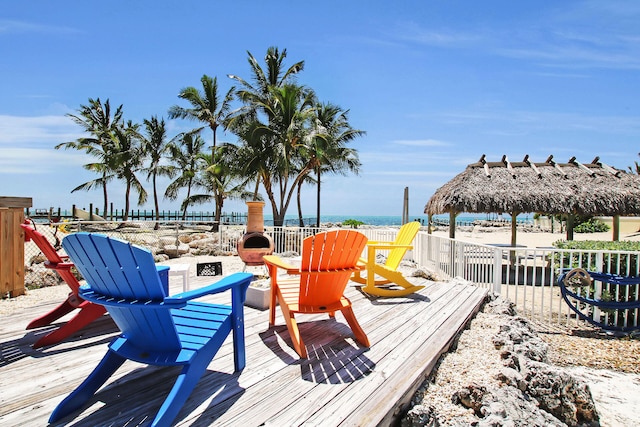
pixel 459 261
pixel 497 271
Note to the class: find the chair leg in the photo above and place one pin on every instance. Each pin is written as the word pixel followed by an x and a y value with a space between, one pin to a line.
pixel 107 366
pixel 357 277
pixel 88 313
pixel 381 292
pixel 294 331
pixel 53 315
pixel 358 332
pixel 239 354
pixel 180 392
pixel 272 306
pixel 406 287
pixel 399 279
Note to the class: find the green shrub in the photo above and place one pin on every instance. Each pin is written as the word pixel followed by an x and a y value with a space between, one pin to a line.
pixel 598 245
pixel 591 225
pixel 611 262
pixel 354 223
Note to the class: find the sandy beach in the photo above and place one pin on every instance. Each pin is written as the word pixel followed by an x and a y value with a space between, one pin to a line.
pixel 596 359
pixel 502 235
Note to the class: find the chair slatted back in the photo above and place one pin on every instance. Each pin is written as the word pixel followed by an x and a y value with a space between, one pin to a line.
pixel 405 236
pixel 54 260
pixel 121 272
pixel 42 242
pixel 330 251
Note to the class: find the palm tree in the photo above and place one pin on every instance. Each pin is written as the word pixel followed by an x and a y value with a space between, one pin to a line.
pixel 219 173
pixel 205 106
pixel 96 119
pixel 250 160
pixel 127 161
pixel 186 161
pixel 289 116
pixel 286 109
pixel 276 77
pixel 155 146
pixel 328 149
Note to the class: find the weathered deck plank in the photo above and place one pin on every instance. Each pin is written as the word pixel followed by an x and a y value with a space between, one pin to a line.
pixel 340 383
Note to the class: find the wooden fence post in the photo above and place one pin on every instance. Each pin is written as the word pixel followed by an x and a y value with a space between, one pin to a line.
pixel 12 245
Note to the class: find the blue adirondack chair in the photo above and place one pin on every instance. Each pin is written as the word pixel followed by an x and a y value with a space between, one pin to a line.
pixel 156 329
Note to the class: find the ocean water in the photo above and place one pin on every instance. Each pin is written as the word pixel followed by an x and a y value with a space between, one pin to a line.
pixel 380 220
pixel 292 219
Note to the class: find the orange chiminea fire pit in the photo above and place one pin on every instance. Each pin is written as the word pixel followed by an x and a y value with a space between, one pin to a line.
pixel 254 244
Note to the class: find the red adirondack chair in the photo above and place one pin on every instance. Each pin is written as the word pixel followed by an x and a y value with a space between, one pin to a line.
pixel 60 263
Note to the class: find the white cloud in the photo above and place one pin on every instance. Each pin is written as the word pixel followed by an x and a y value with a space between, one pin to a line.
pixel 421 142
pixel 37 131
pixel 429 173
pixel 12 26
pixel 444 38
pixel 38 161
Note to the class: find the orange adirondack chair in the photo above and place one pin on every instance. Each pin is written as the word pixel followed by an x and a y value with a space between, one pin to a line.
pixel 400 286
pixel 328 261
pixel 61 264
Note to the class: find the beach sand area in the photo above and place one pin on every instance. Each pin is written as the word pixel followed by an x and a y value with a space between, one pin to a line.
pixel 609 365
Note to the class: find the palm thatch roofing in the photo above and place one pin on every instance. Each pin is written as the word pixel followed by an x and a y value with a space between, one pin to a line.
pixel 548 187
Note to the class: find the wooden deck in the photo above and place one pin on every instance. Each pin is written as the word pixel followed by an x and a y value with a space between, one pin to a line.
pixel 340 384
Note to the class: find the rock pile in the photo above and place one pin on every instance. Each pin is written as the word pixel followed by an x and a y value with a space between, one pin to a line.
pixel 515 385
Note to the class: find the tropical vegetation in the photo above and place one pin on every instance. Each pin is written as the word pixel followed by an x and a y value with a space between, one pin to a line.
pixel 286 139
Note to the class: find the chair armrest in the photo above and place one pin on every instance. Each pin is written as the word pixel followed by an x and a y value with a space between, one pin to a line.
pixel 379 242
pixel 357 267
pixel 386 245
pixel 226 283
pixel 89 294
pixel 280 263
pixel 58 265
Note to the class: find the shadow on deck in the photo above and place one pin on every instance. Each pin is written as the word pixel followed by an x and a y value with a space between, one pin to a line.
pixel 340 383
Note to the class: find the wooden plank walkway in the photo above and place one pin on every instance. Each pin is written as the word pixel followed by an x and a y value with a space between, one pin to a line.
pixel 340 384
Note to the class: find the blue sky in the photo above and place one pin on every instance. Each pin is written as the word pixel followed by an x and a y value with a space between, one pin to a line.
pixel 434 84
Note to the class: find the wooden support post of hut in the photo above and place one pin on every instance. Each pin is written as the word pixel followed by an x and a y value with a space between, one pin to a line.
pixel 616 228
pixel 12 245
pixel 452 224
pixel 570 223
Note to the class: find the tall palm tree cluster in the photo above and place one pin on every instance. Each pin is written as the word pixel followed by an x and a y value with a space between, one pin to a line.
pixel 286 138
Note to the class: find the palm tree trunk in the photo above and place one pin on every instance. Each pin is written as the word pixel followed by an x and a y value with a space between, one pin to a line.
pixel 104 195
pixel 318 199
pixel 255 191
pixel 125 217
pixel 213 149
pixel 218 213
pixel 300 220
pixel 155 203
pixel 186 205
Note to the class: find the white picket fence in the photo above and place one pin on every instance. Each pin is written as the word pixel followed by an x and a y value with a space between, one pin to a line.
pixel 528 276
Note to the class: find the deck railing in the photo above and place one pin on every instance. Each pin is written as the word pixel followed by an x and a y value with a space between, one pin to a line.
pixel 527 276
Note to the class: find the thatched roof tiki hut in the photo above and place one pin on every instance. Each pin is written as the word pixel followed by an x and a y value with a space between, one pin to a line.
pixel 571 188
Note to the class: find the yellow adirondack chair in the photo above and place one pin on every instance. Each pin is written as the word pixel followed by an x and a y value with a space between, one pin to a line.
pixel 393 283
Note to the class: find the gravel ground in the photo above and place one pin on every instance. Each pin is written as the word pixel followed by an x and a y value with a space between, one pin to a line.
pixel 609 365
pixel 33 297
